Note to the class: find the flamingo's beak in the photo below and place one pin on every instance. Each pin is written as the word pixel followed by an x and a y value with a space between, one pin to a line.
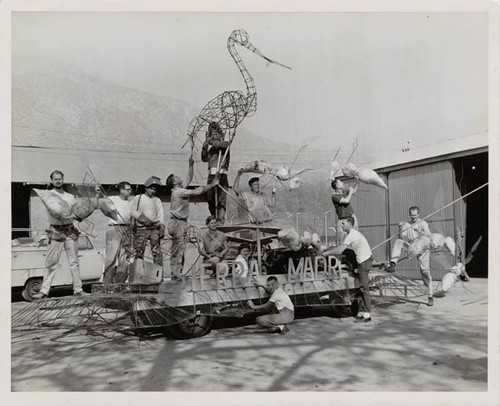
pixel 256 51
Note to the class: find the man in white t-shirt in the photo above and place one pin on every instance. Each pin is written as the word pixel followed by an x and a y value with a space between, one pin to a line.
pixel 63 236
pixel 357 242
pixel 279 304
pixel 118 238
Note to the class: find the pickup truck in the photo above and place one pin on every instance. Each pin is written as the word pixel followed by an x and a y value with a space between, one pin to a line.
pixel 28 264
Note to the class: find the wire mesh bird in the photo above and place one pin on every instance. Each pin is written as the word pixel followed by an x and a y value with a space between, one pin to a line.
pixel 230 108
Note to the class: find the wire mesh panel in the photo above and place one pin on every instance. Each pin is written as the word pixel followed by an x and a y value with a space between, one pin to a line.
pixel 105 311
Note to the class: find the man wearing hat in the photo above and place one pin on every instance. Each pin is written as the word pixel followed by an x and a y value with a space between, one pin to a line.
pixel 149 224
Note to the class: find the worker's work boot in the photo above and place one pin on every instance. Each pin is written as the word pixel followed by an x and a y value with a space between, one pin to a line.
pixel 39 295
pixel 390 267
pixel 82 294
pixel 362 319
pixel 430 301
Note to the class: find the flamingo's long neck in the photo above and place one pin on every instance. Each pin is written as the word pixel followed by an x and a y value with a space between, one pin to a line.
pixel 249 83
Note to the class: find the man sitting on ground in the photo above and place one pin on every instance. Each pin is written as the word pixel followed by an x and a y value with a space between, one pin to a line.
pixel 280 305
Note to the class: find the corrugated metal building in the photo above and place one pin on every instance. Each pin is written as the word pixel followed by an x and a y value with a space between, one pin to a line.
pixel 431 178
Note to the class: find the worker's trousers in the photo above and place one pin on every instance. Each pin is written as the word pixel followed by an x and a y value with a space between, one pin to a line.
pixel 176 228
pixel 54 252
pixel 424 262
pixel 216 198
pixel 365 299
pixel 154 236
pixel 118 248
pixel 270 321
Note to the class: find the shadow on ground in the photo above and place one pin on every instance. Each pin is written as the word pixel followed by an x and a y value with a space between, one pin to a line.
pixel 407 347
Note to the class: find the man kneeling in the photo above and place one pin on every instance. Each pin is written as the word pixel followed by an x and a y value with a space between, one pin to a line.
pixel 280 305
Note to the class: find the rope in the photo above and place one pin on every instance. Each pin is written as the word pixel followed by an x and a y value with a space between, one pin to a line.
pixel 437 211
pixel 297 155
pixel 238 202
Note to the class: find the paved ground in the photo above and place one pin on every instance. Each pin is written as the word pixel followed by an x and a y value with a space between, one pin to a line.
pixel 407 347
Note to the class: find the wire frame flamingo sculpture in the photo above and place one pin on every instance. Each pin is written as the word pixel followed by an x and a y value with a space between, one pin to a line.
pixel 230 108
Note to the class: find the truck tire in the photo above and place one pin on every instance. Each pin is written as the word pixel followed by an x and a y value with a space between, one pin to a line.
pixel 31 287
pixel 344 304
pixel 197 326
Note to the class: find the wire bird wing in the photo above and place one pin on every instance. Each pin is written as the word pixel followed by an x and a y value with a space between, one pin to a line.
pixel 195 126
pixel 473 250
pixel 105 311
pixel 227 109
pixel 292 175
pixel 354 148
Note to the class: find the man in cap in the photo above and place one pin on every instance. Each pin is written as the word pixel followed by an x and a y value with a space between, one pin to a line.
pixel 179 213
pixel 149 224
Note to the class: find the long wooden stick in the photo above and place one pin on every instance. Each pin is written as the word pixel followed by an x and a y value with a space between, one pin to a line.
pixel 238 202
pixel 354 148
pixel 337 154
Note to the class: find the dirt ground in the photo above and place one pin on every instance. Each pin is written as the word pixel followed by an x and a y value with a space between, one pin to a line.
pixel 407 347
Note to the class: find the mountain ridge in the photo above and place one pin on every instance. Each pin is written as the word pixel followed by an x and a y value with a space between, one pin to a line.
pixel 58 105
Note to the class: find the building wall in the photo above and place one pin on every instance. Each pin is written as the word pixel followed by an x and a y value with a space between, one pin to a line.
pixel 369 204
pixel 430 187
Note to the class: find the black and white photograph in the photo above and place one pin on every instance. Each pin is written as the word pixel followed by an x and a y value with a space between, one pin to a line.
pixel 251 203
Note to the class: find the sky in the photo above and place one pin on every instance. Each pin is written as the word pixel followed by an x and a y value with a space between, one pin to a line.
pixel 391 80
